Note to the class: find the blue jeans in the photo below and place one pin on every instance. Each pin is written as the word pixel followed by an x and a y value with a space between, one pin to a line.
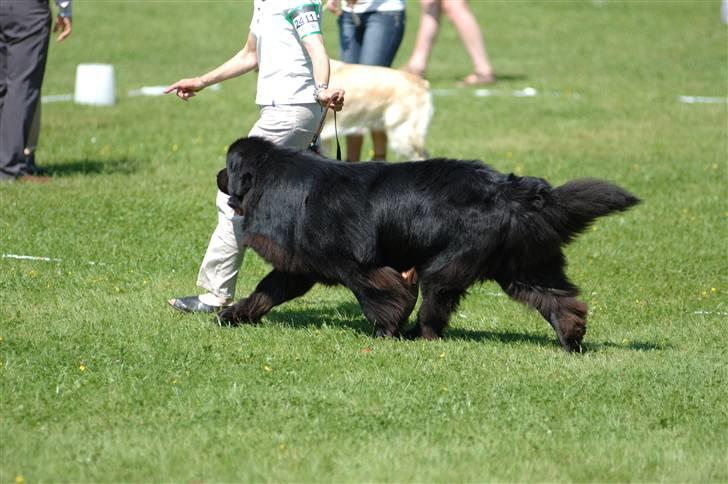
pixel 373 40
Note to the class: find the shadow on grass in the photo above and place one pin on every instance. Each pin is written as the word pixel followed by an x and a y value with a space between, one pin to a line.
pixel 93 167
pixel 345 315
pixel 349 315
pixel 547 340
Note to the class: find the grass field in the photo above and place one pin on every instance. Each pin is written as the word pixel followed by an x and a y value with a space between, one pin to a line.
pixel 101 382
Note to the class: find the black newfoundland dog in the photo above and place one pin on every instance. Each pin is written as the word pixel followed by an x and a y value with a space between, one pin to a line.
pixel 365 225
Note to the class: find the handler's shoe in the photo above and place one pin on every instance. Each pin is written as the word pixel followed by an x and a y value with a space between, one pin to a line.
pixel 195 304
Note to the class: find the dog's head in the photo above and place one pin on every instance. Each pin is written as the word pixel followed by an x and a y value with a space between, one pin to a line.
pixel 243 158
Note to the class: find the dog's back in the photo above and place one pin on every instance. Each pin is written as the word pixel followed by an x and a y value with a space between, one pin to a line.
pixel 383 99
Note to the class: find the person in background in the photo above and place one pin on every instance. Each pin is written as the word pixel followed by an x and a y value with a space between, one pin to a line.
pixel 25 28
pixel 459 13
pixel 370 32
pixel 285 45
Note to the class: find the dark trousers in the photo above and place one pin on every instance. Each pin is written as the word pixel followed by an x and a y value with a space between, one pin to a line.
pixel 24 33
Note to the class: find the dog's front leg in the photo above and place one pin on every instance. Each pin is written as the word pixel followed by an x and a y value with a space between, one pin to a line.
pixel 438 303
pixel 275 288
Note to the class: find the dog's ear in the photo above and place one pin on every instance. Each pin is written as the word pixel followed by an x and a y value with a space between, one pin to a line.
pixel 222 181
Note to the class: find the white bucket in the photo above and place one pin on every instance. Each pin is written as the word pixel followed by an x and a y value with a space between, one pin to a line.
pixel 94 84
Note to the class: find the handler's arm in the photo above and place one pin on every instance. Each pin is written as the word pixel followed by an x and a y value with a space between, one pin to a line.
pixel 314 45
pixel 244 61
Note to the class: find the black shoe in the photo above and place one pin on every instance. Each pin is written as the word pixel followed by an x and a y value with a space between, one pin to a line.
pixel 192 304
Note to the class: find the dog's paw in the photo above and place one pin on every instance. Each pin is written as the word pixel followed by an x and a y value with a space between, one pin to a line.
pixel 572 346
pixel 226 317
pixel 425 332
pixel 413 333
pixel 387 333
pixel 238 313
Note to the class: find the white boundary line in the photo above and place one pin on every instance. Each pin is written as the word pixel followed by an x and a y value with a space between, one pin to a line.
pixel 29 257
pixel 43 259
pixel 702 100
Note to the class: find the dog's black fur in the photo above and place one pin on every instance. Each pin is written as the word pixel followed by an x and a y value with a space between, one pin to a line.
pixel 362 225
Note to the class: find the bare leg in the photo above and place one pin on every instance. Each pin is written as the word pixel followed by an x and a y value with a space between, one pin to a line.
pixel 459 13
pixel 275 288
pixel 426 35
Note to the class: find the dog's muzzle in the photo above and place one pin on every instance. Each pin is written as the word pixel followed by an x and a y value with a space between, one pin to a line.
pixel 235 203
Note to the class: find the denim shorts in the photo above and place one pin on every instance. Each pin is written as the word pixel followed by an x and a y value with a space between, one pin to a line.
pixel 370 38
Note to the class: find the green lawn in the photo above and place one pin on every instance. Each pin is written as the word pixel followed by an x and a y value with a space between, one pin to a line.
pixel 101 382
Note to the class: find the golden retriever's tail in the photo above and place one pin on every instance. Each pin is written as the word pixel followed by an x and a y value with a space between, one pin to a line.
pixel 407 128
pixel 422 124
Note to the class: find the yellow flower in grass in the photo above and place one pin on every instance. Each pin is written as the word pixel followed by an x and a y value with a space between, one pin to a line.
pixel 19 479
pixel 82 366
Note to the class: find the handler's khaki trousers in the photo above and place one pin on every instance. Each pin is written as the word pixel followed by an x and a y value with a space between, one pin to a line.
pixel 290 125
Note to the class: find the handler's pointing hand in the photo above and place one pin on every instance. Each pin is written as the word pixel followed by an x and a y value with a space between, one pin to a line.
pixel 186 88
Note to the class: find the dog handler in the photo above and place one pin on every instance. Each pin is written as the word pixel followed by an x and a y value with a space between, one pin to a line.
pixel 286 46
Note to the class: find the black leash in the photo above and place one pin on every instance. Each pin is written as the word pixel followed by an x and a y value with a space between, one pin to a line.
pixel 314 147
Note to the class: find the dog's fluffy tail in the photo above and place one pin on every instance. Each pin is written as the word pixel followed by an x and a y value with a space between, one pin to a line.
pixel 576 204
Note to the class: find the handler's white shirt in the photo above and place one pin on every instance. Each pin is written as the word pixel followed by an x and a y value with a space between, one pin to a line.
pixel 285 71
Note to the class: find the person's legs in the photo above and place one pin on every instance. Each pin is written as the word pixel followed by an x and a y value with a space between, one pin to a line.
pixel 383 34
pixel 291 126
pixel 24 35
pixel 350 38
pixel 33 137
pixel 350 41
pixel 459 13
pixel 426 35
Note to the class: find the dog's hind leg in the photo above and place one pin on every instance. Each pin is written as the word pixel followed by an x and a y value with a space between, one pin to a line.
pixel 386 298
pixel 565 313
pixel 275 288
